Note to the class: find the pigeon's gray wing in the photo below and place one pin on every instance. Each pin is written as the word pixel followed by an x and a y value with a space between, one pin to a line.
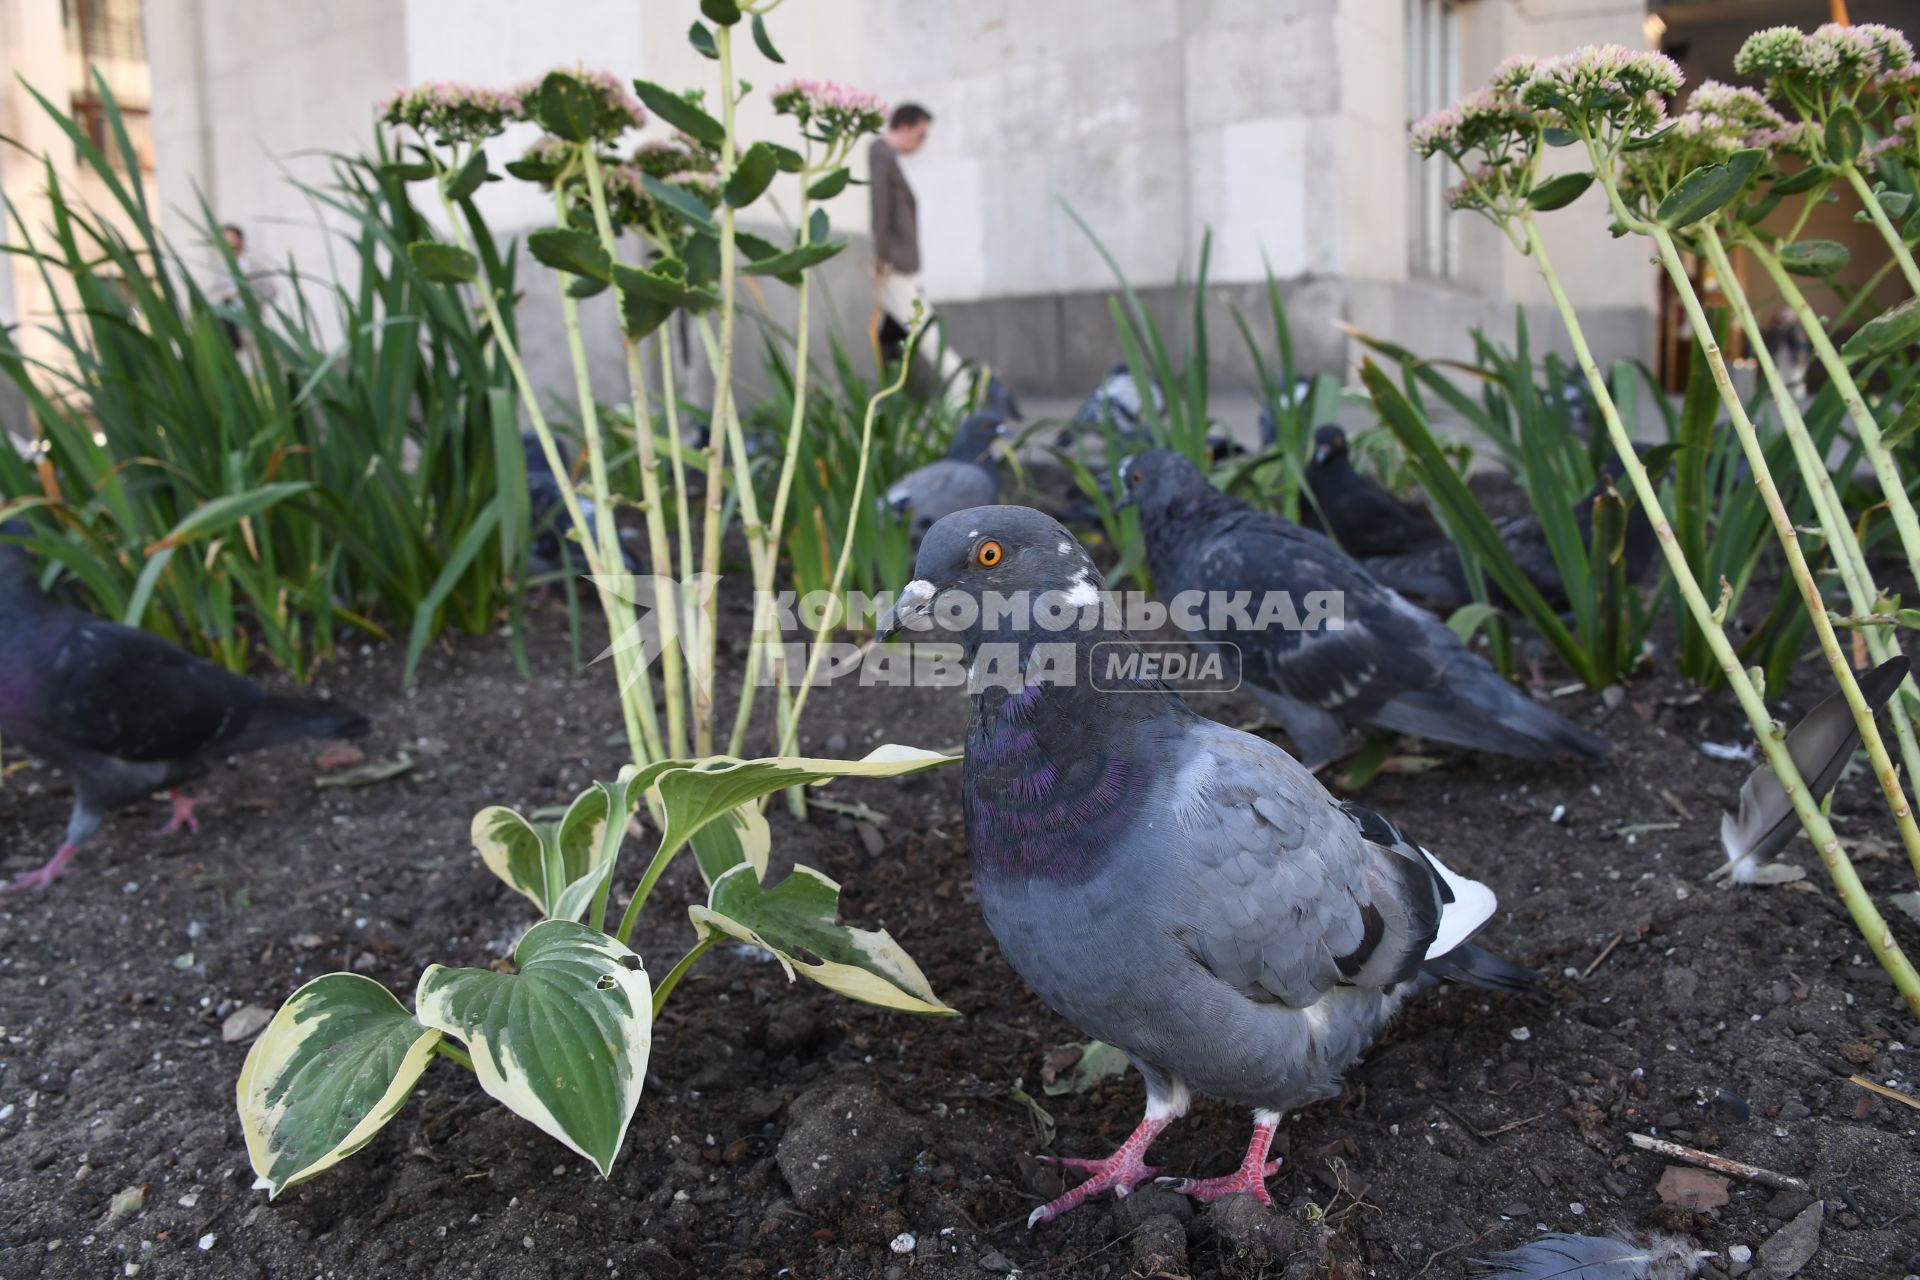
pixel 1568 1257
pixel 1432 574
pixel 942 488
pixel 1292 893
pixel 1386 664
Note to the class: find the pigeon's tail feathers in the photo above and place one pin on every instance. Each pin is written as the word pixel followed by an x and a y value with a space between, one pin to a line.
pixel 1465 905
pixel 1821 744
pixel 280 720
pixel 1488 714
pixel 1567 1257
pixel 1478 967
pixel 1422 574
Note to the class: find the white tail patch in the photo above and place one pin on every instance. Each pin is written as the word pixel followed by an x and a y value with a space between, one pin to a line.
pixel 1472 906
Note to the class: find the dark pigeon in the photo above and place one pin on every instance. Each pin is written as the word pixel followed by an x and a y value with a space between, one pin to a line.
pixel 124 713
pixel 550 550
pixel 1434 576
pixel 998 400
pixel 967 477
pixel 1388 665
pixel 1362 516
pixel 1167 884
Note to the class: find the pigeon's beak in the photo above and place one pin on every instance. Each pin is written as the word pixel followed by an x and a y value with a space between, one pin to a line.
pixel 1320 455
pixel 913 603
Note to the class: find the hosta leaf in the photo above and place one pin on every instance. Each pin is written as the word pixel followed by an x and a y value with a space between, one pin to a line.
pixel 576 252
pixel 602 854
pixel 797 917
pixel 334 1065
pixel 1888 331
pixel 468 180
pixel 736 836
pixel 1814 257
pixel 680 113
pixel 694 795
pixel 512 849
pixel 563 1043
pixel 751 175
pixel 1558 193
pixel 518 851
pixel 830 184
pixel 442 263
pixel 1707 189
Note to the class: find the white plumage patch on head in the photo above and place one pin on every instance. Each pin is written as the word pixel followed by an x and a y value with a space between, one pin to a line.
pixel 1083 592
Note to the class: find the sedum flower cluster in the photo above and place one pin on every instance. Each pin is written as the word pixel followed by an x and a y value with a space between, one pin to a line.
pixel 834 112
pixel 451 113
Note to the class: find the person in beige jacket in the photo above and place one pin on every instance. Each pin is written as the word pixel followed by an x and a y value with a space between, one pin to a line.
pixel 896 232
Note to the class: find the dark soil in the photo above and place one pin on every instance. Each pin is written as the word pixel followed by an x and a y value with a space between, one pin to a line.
pixel 789 1132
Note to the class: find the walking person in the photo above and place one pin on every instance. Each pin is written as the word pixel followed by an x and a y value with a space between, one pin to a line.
pixel 896 234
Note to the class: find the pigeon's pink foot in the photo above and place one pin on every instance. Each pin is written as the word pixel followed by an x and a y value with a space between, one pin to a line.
pixel 36 880
pixel 1120 1172
pixel 183 806
pixel 1249 1179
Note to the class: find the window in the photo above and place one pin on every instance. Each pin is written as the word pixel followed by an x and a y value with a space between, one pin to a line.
pixel 1432 83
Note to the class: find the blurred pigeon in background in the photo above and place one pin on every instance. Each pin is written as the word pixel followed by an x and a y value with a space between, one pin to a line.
pixel 968 476
pixel 550 549
pixel 123 713
pixel 1117 399
pixel 1171 886
pixel 1362 516
pixel 1384 664
pixel 1434 576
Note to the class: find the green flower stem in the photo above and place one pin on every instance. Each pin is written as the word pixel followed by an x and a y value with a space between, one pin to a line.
pixel 791 732
pixel 1771 736
pixel 659 549
pixel 448 1049
pixel 1905 523
pixel 776 524
pixel 530 400
pixel 1888 231
pixel 1789 537
pixel 1849 557
pixel 679 971
pixel 722 406
pixel 635 682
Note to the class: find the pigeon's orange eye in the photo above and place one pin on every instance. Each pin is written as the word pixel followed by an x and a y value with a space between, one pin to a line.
pixel 988 554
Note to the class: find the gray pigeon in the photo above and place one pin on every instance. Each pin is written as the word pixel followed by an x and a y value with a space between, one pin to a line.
pixel 1566 1257
pixel 124 713
pixel 1167 884
pixel 1117 399
pixel 966 477
pixel 1385 665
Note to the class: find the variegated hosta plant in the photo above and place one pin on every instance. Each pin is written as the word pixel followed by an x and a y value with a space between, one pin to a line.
pixel 562 1037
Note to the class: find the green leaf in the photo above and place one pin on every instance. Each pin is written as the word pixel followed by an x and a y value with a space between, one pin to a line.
pixel 680 202
pixel 751 176
pixel 1805 180
pixel 764 41
pixel 227 510
pixel 830 184
pixel 1814 257
pixel 680 113
pixel 739 835
pixel 702 41
pixel 407 171
pixel 702 256
pixel 724 12
pixel 794 260
pixel 1707 189
pixel 565 107
pixel 337 1061
pixel 1893 203
pixel 1844 135
pixel 1558 137
pixel 755 247
pixel 1469 618
pixel 818 227
pixel 1906 424
pixel 1091 1063
pixel 797 917
pixel 527 855
pixel 1889 331
pixel 1559 192
pixel 576 252
pixel 472 174
pixel 443 263
pixel 789 160
pixel 1647 140
pixel 663 286
pixel 563 1043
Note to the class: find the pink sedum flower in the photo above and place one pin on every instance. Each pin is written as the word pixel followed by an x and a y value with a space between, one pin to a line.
pixel 615 110
pixel 836 110
pixel 449 112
